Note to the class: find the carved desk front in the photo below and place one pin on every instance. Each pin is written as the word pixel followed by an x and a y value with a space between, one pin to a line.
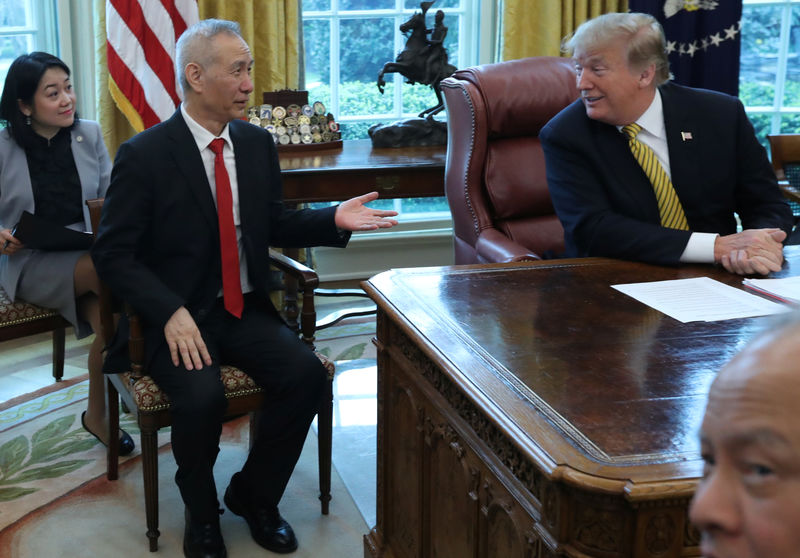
pixel 530 410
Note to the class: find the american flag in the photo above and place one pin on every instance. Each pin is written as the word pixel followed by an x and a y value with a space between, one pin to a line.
pixel 703 40
pixel 140 46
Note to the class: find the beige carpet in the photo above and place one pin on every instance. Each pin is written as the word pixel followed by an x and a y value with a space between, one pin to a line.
pixel 55 500
pixel 82 514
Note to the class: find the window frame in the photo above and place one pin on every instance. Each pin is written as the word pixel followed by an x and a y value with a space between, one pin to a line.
pixel 43 26
pixel 469 45
pixel 777 111
pixel 468 15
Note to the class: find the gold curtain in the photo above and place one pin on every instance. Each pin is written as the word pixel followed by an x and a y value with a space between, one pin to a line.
pixel 536 27
pixel 270 27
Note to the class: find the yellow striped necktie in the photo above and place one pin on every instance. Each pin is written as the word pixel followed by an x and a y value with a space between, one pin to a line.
pixel 669 206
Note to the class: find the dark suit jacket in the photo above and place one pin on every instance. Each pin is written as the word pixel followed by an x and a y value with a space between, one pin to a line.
pixel 607 205
pixel 158 241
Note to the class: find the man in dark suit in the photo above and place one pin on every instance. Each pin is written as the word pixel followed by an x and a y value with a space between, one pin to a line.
pixel 198 277
pixel 701 139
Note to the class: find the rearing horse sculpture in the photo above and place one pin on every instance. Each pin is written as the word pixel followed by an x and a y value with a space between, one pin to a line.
pixel 421 61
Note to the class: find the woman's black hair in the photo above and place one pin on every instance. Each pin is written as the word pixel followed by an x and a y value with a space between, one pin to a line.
pixel 22 80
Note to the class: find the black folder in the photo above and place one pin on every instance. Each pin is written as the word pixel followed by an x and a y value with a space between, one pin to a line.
pixel 40 234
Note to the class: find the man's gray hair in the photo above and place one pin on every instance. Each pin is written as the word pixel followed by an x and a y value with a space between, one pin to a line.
pixel 194 45
pixel 643 35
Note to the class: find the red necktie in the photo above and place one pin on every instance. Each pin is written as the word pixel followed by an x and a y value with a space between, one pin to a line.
pixel 231 279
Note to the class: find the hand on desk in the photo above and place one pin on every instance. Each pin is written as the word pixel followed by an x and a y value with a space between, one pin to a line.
pixel 750 251
pixel 353 215
pixel 185 341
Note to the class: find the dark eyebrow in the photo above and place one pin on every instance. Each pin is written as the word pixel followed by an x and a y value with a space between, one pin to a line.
pixel 56 83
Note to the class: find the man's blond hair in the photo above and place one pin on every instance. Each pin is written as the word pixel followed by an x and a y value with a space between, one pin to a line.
pixel 643 36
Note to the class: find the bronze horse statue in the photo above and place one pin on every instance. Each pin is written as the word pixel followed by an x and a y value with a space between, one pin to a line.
pixel 422 60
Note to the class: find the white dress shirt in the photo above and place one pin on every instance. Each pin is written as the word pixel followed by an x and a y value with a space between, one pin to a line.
pixel 700 248
pixel 203 138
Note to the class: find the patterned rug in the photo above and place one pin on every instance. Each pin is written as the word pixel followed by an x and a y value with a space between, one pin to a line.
pixel 50 467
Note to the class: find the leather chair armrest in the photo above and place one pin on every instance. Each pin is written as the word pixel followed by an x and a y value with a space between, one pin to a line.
pixel 494 247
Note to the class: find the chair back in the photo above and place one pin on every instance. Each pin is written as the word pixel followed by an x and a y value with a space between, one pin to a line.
pixel 110 305
pixel 785 150
pixel 495 172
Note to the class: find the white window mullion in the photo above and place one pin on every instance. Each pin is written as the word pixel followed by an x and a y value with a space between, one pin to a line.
pixel 783 51
pixel 44 17
pixel 39 30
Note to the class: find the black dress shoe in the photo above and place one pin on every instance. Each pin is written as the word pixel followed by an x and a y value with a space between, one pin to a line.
pixel 203 540
pixel 267 527
pixel 126 444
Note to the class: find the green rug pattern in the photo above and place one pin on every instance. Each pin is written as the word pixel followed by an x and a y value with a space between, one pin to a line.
pixel 45 452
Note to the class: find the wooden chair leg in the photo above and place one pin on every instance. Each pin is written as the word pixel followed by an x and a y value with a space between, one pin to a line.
pixel 58 353
pixel 150 474
pixel 325 443
pixel 112 450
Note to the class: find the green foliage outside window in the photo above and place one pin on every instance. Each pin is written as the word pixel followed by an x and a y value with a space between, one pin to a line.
pixel 761 63
pixel 364 99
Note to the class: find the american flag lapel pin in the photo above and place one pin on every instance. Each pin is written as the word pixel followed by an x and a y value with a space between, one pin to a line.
pixel 686 136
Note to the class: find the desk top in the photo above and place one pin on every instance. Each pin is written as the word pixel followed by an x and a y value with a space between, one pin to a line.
pixel 586 380
pixel 360 155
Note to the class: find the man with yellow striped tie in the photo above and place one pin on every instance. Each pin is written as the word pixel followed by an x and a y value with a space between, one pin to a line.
pixel 640 168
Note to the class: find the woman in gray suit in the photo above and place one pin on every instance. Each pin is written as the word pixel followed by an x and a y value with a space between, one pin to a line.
pixel 50 164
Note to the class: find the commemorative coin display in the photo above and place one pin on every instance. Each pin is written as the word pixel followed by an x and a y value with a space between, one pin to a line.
pixel 295 124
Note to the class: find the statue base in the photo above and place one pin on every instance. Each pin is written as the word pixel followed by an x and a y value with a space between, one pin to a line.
pixel 409 133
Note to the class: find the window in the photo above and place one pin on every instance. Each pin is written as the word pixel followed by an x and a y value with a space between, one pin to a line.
pixel 25 25
pixel 769 76
pixel 346 44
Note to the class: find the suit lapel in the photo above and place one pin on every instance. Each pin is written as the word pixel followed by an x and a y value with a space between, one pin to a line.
pixel 628 174
pixel 188 160
pixel 681 141
pixel 244 174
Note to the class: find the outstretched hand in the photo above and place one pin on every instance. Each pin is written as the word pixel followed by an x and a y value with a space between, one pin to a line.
pixel 353 215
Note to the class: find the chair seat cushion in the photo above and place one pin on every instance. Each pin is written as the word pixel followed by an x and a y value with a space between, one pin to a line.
pixel 148 397
pixel 20 312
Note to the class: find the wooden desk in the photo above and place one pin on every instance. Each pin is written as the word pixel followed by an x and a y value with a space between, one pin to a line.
pixel 530 410
pixel 357 168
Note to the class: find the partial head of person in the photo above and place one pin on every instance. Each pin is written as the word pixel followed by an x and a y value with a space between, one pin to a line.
pixel 214 66
pixel 37 97
pixel 620 59
pixel 747 504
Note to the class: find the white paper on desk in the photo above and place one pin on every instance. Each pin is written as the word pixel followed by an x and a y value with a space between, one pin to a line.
pixel 700 299
pixel 785 288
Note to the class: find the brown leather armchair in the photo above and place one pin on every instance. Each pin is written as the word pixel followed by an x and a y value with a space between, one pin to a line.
pixel 495 175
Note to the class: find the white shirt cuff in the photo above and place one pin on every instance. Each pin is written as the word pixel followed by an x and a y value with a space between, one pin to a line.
pixel 700 248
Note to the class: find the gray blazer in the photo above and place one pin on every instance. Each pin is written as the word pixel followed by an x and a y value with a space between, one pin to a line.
pixel 16 193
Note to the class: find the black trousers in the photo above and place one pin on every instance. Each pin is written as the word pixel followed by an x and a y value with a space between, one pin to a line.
pixel 278 361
